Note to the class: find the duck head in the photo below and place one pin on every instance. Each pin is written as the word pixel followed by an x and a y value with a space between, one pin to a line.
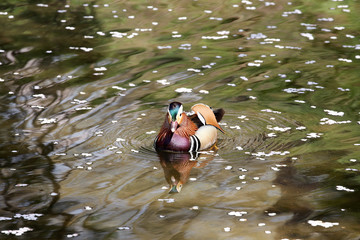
pixel 175 115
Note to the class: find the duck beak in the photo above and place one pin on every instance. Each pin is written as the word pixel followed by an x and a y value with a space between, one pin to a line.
pixel 174 125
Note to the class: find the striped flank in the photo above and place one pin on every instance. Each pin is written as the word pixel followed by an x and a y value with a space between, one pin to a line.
pixel 194 143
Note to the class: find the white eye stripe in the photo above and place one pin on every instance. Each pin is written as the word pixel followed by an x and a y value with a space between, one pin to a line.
pixel 180 111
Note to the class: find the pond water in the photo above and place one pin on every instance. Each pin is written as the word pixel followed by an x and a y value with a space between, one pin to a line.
pixel 84 91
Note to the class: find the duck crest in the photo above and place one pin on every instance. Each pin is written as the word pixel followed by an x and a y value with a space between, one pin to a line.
pixel 183 133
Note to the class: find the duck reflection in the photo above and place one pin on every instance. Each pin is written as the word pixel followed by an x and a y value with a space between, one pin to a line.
pixel 177 167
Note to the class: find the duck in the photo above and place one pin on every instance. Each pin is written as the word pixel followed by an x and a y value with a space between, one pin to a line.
pixel 190 132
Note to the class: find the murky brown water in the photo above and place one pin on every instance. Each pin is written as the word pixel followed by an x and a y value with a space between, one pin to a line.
pixel 84 90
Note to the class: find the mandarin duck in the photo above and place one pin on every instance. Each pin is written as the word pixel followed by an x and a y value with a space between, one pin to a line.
pixel 189 133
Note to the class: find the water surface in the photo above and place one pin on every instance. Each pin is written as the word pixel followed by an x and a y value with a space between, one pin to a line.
pixel 84 90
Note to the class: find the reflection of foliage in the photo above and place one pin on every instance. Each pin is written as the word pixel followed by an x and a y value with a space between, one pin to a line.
pixel 44 31
pixel 29 187
pixel 41 29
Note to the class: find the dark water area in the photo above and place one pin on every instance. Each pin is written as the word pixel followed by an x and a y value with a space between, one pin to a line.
pixel 84 87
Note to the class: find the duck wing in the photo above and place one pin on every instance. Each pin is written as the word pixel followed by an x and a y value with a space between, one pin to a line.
pixel 204 115
pixel 219 113
pixel 194 118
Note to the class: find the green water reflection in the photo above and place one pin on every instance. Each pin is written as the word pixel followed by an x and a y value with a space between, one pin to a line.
pixel 84 87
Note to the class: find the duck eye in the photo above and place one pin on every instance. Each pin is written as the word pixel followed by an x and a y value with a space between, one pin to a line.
pixel 178 118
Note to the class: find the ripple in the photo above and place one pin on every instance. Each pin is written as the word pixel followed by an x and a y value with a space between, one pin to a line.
pixel 249 131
